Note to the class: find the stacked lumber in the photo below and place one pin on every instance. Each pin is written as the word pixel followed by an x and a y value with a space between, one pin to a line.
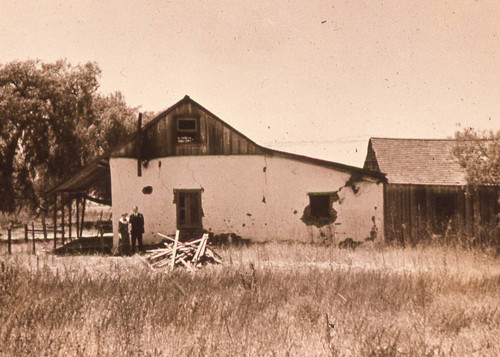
pixel 190 255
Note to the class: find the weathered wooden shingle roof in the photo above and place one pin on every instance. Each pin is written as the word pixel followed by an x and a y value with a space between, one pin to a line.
pixel 415 161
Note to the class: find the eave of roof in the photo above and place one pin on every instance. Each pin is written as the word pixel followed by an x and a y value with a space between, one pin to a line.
pixel 85 178
pixel 328 164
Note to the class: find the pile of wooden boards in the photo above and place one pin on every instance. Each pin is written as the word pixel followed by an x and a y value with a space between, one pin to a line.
pixel 191 255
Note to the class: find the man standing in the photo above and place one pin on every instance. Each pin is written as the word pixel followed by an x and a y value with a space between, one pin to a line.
pixel 137 228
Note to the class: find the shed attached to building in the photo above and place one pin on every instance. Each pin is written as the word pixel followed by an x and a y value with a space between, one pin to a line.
pixel 427 192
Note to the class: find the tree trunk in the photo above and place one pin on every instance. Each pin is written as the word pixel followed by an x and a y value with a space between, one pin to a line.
pixel 7 203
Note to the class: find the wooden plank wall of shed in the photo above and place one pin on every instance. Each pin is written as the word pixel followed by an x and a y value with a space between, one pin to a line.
pixel 216 138
pixel 489 210
pixel 410 211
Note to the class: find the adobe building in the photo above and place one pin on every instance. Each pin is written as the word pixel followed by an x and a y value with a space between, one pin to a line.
pixel 187 169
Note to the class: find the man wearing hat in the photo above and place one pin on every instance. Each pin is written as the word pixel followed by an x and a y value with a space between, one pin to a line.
pixel 137 228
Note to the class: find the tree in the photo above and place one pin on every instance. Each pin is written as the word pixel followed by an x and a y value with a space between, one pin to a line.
pixel 52 122
pixel 479 153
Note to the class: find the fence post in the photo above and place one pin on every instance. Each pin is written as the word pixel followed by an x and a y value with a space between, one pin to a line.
pixel 84 203
pixel 33 236
pixel 101 233
pixel 44 227
pixel 55 221
pixel 69 217
pixel 77 217
pixel 62 218
pixel 26 232
pixel 9 239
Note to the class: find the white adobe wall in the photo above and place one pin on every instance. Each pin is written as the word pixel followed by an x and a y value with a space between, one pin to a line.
pixel 234 188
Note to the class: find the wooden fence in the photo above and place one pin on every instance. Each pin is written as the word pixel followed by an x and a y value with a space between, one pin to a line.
pixel 42 232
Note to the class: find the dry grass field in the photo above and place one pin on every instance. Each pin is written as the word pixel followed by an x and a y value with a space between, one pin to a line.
pixel 265 300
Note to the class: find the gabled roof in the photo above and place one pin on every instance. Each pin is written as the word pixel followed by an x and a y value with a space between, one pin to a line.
pixel 416 161
pixel 95 170
pixel 186 100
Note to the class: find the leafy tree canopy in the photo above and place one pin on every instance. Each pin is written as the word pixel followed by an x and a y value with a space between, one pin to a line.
pixel 479 153
pixel 53 121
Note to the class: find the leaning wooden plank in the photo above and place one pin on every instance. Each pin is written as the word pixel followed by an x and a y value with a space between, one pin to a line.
pixel 158 261
pixel 160 254
pixel 204 246
pixel 210 255
pixel 165 236
pixel 193 242
pixel 145 262
pixel 198 254
pixel 188 266
pixel 215 254
pixel 150 251
pixel 179 257
pixel 158 249
pixel 200 247
pixel 172 264
pixel 161 264
pixel 189 250
pixel 165 262
pixel 173 240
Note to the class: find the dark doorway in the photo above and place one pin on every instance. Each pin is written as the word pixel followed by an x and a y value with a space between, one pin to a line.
pixel 446 207
pixel 189 212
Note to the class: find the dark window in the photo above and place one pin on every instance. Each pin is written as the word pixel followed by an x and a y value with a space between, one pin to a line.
pixel 320 205
pixel 189 211
pixel 187 130
pixel 445 211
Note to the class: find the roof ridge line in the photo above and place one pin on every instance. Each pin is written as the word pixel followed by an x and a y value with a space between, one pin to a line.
pixel 420 139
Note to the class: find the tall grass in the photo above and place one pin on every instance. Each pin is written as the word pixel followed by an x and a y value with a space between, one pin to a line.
pixel 274 299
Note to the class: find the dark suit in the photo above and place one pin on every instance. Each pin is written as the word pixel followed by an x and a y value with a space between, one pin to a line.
pixel 137 224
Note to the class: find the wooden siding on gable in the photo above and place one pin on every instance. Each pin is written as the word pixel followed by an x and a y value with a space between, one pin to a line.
pixel 215 137
pixel 371 159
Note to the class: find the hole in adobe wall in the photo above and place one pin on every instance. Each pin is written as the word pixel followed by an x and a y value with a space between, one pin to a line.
pixel 320 212
pixel 147 190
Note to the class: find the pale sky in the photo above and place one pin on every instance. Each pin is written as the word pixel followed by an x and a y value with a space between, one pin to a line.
pixel 313 77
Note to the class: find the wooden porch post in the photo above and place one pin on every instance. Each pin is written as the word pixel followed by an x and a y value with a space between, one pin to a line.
pixel 70 204
pixel 83 217
pixel 9 238
pixel 77 217
pixel 55 221
pixel 62 217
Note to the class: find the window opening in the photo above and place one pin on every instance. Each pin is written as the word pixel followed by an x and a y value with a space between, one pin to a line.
pixel 320 211
pixel 320 205
pixel 189 212
pixel 187 130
